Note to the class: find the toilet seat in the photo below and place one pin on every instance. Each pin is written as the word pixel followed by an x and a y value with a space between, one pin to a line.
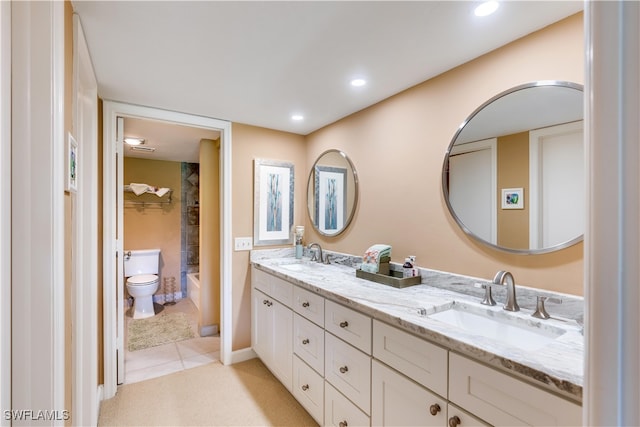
pixel 142 280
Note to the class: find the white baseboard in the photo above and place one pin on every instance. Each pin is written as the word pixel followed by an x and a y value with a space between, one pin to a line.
pixel 208 331
pixel 99 398
pixel 242 355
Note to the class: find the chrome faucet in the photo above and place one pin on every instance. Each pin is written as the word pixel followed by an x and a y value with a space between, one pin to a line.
pixel 317 256
pixel 511 304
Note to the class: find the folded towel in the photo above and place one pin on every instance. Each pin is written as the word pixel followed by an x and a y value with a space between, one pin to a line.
pixel 138 189
pixel 161 191
pixel 372 257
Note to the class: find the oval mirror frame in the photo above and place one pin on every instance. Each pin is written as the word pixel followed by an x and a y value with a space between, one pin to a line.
pixel 460 134
pixel 336 167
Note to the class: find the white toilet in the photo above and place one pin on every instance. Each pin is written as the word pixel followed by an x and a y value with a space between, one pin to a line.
pixel 141 270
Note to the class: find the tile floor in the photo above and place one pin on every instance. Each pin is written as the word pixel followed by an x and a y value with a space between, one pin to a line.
pixel 165 359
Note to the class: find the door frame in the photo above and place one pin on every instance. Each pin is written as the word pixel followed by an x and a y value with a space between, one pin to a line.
pixel 113 110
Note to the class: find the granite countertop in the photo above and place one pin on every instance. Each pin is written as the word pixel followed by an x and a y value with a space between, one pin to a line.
pixel 557 367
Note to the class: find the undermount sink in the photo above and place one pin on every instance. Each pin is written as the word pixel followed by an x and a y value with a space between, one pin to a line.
pixel 504 327
pixel 300 265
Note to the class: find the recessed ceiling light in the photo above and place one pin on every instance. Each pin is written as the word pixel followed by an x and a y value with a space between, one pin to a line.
pixel 487 8
pixel 134 141
pixel 297 117
pixel 358 82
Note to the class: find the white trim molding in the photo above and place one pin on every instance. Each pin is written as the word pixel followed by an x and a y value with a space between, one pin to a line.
pixel 38 291
pixel 113 110
pixel 612 235
pixel 5 212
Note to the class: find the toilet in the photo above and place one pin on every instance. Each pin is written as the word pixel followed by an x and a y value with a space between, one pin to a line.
pixel 141 271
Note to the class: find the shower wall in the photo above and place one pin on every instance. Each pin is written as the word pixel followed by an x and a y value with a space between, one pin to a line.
pixel 190 255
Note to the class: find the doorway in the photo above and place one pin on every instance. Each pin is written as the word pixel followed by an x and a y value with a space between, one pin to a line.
pixel 113 293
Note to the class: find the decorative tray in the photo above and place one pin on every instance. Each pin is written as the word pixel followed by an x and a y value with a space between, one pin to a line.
pixel 394 278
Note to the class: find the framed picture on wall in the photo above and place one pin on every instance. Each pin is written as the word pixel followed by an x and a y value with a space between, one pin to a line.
pixel 273 202
pixel 71 165
pixel 512 198
pixel 330 192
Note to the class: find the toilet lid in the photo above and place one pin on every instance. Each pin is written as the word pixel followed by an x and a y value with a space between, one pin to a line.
pixel 142 279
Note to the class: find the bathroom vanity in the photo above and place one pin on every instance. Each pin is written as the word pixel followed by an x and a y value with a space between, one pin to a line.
pixel 354 352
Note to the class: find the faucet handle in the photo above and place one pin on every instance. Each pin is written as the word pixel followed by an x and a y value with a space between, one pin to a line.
pixel 541 312
pixel 488 298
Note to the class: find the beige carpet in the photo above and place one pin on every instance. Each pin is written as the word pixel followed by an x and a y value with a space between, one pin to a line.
pixel 244 394
pixel 157 330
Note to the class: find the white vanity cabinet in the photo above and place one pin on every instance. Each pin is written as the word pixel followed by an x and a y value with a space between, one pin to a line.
pixel 272 325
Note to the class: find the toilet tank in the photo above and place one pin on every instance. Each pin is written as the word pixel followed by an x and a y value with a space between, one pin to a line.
pixel 143 261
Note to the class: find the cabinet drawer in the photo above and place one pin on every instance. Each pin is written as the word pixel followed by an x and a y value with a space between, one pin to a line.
pixel 308 342
pixel 273 286
pixel 308 389
pixel 462 418
pixel 309 305
pixel 418 359
pixel 339 412
pixel 351 326
pixel 349 370
pixel 502 400
pixel 398 401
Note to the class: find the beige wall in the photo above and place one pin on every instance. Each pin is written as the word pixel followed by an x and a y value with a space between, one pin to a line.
pixel 154 226
pixel 251 142
pixel 513 172
pixel 398 146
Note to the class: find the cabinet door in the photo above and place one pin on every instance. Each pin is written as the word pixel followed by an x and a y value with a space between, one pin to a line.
pixel 308 342
pixel 282 343
pixel 349 370
pixel 260 325
pixel 308 389
pixel 457 417
pixel 398 401
pixel 503 400
pixel 339 411
pixel 349 325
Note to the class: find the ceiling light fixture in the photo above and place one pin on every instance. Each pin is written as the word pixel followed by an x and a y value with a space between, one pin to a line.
pixel 143 148
pixel 486 8
pixel 297 117
pixel 134 141
pixel 358 82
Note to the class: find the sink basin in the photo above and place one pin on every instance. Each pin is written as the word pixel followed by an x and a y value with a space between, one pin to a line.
pixel 300 265
pixel 504 327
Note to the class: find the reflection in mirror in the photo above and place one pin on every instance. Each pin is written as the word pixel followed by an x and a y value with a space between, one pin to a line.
pixel 513 176
pixel 332 193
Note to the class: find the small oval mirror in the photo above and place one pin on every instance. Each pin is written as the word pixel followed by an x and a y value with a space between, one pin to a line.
pixel 332 193
pixel 513 175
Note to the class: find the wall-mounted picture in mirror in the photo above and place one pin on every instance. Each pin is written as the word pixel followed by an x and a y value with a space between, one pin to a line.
pixel 273 202
pixel 330 198
pixel 513 176
pixel 332 193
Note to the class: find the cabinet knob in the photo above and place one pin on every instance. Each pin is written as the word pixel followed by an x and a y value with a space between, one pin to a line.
pixel 454 421
pixel 344 324
pixel 344 369
pixel 434 409
pixel 305 341
pixel 305 304
pixel 343 424
pixel 264 301
pixel 305 387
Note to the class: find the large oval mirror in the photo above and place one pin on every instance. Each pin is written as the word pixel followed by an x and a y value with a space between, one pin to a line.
pixel 513 175
pixel 332 193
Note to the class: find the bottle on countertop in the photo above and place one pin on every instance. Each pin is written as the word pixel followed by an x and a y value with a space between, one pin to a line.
pixel 299 234
pixel 407 268
pixel 414 267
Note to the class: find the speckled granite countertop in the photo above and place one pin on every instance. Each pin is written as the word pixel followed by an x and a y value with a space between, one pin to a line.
pixel 557 366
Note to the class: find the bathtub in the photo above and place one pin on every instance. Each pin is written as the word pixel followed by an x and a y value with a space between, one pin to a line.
pixel 193 288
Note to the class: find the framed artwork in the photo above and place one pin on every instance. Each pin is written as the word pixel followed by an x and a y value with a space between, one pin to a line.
pixel 512 198
pixel 331 202
pixel 71 165
pixel 273 202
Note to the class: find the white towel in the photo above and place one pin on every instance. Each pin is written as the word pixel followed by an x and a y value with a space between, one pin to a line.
pixel 138 189
pixel 161 191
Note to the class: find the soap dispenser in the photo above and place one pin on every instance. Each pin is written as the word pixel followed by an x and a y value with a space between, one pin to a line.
pixel 407 268
pixel 299 234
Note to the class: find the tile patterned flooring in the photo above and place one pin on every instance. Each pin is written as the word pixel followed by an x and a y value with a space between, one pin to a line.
pixel 173 357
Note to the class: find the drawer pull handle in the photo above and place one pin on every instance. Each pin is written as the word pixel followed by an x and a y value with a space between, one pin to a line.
pixel 343 424
pixel 344 324
pixel 434 409
pixel 305 341
pixel 305 304
pixel 344 369
pixel 454 421
pixel 305 387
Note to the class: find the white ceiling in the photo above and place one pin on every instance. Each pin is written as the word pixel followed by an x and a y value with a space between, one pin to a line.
pixel 260 62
